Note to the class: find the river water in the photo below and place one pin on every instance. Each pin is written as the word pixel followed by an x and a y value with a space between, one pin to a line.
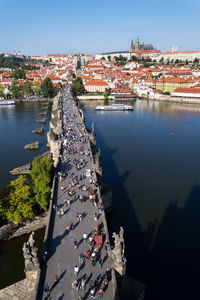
pixel 16 125
pixel 151 159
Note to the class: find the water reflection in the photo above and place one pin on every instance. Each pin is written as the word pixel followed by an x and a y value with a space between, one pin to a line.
pixel 156 182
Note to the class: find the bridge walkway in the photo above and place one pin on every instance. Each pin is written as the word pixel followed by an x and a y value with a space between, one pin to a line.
pixel 76 162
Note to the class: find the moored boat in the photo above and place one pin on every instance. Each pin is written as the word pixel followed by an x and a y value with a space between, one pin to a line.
pixel 115 107
pixel 7 102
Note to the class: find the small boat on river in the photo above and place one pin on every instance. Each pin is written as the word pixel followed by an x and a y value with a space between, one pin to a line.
pixel 7 102
pixel 115 107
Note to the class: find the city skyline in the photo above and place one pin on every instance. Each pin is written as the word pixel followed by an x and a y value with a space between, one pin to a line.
pixel 87 27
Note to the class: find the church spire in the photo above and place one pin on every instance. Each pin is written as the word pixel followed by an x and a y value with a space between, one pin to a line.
pixel 132 46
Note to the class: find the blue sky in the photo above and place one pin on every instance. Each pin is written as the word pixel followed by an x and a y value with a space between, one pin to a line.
pixel 66 26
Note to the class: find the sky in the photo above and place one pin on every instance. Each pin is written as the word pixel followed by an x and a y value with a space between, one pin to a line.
pixel 42 27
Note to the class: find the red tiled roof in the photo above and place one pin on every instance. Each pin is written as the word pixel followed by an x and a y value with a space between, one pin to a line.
pixel 96 83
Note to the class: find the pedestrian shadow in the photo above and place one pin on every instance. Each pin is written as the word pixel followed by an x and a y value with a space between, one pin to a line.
pixel 66 211
pixel 61 297
pixel 55 283
pixel 89 277
pixel 86 294
pixel 105 258
pixel 75 225
pixel 82 266
pixel 80 242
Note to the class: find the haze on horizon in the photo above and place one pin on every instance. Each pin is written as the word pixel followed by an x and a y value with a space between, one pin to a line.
pixel 59 26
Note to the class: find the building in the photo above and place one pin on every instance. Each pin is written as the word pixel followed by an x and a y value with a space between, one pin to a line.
pixel 169 84
pixel 187 92
pixel 93 86
pixel 140 47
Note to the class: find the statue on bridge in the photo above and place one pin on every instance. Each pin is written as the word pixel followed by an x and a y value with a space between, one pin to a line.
pixel 30 254
pixel 118 253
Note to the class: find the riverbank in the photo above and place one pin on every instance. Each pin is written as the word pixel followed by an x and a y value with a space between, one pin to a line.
pixel 175 100
pixel 12 230
pixel 32 100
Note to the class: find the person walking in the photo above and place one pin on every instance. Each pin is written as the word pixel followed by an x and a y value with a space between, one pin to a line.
pixel 85 236
pixel 80 216
pixel 100 293
pixel 92 292
pixel 83 283
pixel 95 217
pixel 81 258
pixel 47 289
pixel 74 284
pixel 56 279
pixel 100 263
pixel 76 270
pixel 75 243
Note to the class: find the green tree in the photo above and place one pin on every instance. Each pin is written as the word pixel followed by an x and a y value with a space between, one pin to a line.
pixel 16 200
pixel 18 74
pixel 15 89
pixel 109 57
pixel 77 86
pixel 106 93
pixel 196 61
pixel 27 89
pixel 161 60
pixel 41 175
pixel 37 88
pixel 47 88
pixel 1 91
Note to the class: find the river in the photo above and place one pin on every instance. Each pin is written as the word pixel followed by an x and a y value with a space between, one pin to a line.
pixel 16 125
pixel 151 159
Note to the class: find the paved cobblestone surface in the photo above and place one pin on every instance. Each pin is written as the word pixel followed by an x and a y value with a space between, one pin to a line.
pixel 62 257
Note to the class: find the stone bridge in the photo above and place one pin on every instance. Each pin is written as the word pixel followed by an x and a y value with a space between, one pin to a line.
pixel 78 170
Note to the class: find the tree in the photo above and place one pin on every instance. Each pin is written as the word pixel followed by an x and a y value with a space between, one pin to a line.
pixel 37 88
pixel 27 89
pixel 106 93
pixel 103 58
pixel 196 61
pixel 161 60
pixel 77 86
pixel 47 88
pixel 16 200
pixel 41 175
pixel 1 91
pixel 109 57
pixel 18 74
pixel 134 58
pixel 15 89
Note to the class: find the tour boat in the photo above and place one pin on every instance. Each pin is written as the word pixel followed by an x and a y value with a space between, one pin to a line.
pixel 115 107
pixel 7 102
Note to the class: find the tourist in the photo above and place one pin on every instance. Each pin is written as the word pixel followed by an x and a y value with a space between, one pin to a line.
pixel 100 292
pixel 105 283
pixel 83 283
pixel 85 236
pixel 92 293
pixel 47 289
pixel 95 217
pixel 81 258
pixel 56 279
pixel 75 243
pixel 74 284
pixel 76 270
pixel 100 263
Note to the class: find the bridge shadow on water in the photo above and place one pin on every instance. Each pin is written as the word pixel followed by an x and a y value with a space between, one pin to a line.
pixel 174 262
pixel 166 256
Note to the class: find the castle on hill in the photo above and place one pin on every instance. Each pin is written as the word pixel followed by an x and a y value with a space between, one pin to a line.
pixel 137 46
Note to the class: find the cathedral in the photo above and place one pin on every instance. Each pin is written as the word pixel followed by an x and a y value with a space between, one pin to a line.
pixel 139 47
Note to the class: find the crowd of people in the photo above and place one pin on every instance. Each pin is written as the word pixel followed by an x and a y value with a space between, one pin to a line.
pixel 79 186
